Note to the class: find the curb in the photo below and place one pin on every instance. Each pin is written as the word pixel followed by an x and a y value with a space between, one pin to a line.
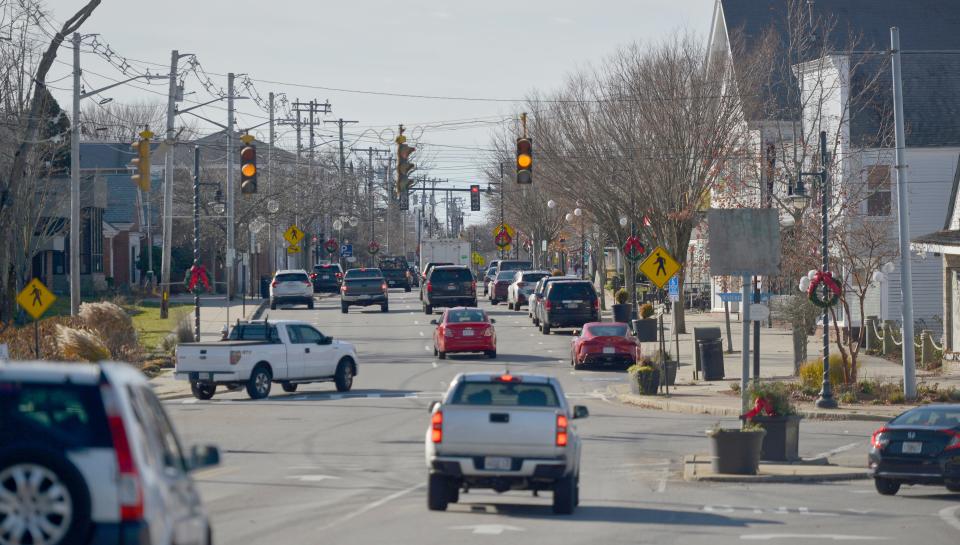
pixel 690 463
pixel 670 405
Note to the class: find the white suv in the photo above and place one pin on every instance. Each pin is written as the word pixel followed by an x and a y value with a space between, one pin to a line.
pixel 88 456
pixel 291 286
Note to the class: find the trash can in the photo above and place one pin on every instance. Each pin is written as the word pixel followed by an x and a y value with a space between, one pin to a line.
pixel 264 287
pixel 711 359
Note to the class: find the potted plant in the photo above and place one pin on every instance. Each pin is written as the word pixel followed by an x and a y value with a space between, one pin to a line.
pixel 644 378
pixel 645 328
pixel 621 309
pixel 668 367
pixel 736 451
pixel 774 411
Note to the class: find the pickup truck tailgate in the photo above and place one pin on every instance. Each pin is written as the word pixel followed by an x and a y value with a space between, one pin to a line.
pixel 495 430
pixel 363 286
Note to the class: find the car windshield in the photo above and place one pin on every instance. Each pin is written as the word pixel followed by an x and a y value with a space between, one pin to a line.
pixel 943 416
pixel 608 330
pixel 465 315
pixel 291 277
pixel 533 277
pixel 509 394
pixel 571 290
pixel 363 274
pixel 514 265
pixel 451 275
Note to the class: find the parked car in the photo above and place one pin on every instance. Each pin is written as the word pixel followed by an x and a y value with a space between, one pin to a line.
pixel 522 286
pixel 414 276
pixel 533 301
pixel 503 432
pixel 363 288
pixel 513 265
pixel 487 278
pixel 291 286
pixel 88 455
pixel 449 286
pixel 260 353
pixel 566 304
pixel 426 271
pixel 499 286
pixel 327 278
pixel 920 446
pixel 464 330
pixel 607 344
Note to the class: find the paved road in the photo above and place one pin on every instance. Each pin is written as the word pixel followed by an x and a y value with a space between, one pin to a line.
pixel 321 467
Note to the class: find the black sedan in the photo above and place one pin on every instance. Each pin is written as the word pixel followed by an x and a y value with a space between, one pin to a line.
pixel 921 446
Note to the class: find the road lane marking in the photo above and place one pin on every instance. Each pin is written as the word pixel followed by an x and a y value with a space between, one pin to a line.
pixel 422 334
pixel 489 529
pixel 837 450
pixel 371 506
pixel 213 472
pixel 951 516
pixel 806 537
pixel 312 478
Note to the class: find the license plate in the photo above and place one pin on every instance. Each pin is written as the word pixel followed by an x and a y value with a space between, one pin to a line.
pixel 912 447
pixel 326 277
pixel 496 462
pixel 573 305
pixel 365 296
pixel 609 350
pixel 468 333
pixel 452 287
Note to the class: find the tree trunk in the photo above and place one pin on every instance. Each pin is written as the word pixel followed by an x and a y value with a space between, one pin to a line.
pixel 726 317
pixel 799 348
pixel 678 308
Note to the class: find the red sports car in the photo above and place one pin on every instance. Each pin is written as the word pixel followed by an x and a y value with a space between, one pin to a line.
pixel 463 329
pixel 604 343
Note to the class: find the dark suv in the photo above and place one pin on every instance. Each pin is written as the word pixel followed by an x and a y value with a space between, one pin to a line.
pixel 567 304
pixel 449 286
pixel 326 278
pixel 426 272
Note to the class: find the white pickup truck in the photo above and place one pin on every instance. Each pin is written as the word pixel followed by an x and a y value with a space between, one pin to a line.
pixel 259 353
pixel 503 432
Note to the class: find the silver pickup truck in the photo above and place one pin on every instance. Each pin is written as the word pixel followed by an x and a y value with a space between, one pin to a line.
pixel 364 287
pixel 503 432
pixel 260 353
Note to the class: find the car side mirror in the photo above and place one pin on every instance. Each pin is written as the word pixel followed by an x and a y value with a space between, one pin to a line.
pixel 580 411
pixel 576 332
pixel 325 340
pixel 433 405
pixel 433 322
pixel 202 456
pixel 493 321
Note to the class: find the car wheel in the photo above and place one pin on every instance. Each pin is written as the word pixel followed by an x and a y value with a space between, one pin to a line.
pixel 492 354
pixel 385 308
pixel 406 289
pixel 202 390
pixel 441 355
pixel 273 305
pixel 288 386
pixel 343 308
pixel 47 500
pixel 565 495
pixel 310 304
pixel 427 309
pixel 437 488
pixel 545 328
pixel 258 387
pixel 435 353
pixel 344 376
pixel 886 487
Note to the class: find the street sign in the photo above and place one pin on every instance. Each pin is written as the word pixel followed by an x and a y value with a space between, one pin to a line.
pixel 505 226
pixel 737 297
pixel 659 267
pixel 759 312
pixel 293 249
pixel 346 250
pixel 478 259
pixel 674 288
pixel 36 298
pixel 293 235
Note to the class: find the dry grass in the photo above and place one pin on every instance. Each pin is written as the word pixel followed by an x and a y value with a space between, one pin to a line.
pixel 79 344
pixel 114 327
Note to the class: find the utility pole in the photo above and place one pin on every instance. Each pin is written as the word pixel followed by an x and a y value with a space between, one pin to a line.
pixel 75 184
pixel 269 179
pixel 231 242
pixel 168 190
pixel 501 202
pixel 343 159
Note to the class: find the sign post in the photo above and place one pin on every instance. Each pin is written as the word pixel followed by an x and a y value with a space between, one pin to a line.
pixel 36 299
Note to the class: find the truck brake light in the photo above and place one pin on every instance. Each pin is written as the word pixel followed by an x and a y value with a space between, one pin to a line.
pixel 383 286
pixel 429 287
pixel 507 377
pixel 561 430
pixel 547 305
pixel 436 424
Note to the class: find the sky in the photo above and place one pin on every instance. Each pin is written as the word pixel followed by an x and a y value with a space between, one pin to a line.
pixel 361 54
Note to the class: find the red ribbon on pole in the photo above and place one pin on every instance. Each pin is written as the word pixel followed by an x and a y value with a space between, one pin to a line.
pixel 198 274
pixel 762 405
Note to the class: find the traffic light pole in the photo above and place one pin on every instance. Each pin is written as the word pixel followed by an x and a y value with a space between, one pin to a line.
pixel 75 184
pixel 168 191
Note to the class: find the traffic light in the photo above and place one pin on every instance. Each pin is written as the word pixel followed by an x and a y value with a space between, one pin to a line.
pixel 404 199
pixel 475 198
pixel 404 166
pixel 142 161
pixel 248 166
pixel 524 161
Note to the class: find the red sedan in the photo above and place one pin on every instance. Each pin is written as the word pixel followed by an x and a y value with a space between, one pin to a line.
pixel 463 329
pixel 606 344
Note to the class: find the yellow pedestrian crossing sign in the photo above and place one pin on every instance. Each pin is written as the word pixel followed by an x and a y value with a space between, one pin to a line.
pixel 478 259
pixel 293 235
pixel 659 267
pixel 36 298
pixel 293 249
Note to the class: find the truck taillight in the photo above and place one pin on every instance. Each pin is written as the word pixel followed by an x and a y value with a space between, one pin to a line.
pixel 561 430
pixel 436 424
pixel 383 286
pixel 130 490
pixel 429 287
pixel 234 357
pixel 488 332
pixel 596 304
pixel 339 275
pixel 547 305
pixel 954 442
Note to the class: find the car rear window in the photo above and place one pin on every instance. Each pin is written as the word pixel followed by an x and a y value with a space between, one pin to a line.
pixel 326 268
pixel 608 330
pixel 571 290
pixel 461 316
pixel 360 274
pixel 254 332
pixel 514 265
pixel 71 415
pixel 292 277
pixel 533 277
pixel 451 275
pixel 505 394
pixel 939 416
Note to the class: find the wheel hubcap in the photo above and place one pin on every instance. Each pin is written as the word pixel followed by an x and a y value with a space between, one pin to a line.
pixel 34 502
pixel 262 382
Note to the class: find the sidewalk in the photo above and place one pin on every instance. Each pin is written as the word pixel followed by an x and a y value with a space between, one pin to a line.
pixel 215 313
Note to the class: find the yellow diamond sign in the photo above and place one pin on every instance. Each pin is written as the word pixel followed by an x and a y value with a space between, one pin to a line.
pixel 293 235
pixel 36 298
pixel 659 267
pixel 507 227
pixel 293 249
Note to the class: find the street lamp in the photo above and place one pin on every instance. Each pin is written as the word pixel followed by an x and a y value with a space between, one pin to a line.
pixel 578 212
pixel 799 200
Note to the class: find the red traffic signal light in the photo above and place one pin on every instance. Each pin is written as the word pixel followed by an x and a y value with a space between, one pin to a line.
pixel 248 170
pixel 524 161
pixel 475 198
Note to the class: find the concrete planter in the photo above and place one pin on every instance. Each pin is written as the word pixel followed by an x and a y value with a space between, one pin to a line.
pixel 782 440
pixel 645 330
pixel 621 313
pixel 645 383
pixel 736 452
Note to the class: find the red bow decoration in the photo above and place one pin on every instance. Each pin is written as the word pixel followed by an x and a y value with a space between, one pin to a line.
pixel 762 405
pixel 198 273
pixel 825 278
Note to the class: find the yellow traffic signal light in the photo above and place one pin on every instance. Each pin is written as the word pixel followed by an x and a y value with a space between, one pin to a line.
pixel 524 161
pixel 142 161
pixel 404 167
pixel 248 166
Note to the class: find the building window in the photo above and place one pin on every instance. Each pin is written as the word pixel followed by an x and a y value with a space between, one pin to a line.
pixel 878 190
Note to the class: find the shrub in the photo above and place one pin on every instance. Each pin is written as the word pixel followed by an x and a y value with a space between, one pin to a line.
pixel 811 372
pixel 184 330
pixel 20 340
pixel 114 327
pixel 777 393
pixel 896 398
pixel 79 344
pixel 848 397
pixel 622 296
pixel 646 310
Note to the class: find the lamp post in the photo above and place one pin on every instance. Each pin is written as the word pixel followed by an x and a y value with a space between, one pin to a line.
pixel 800 200
pixel 218 207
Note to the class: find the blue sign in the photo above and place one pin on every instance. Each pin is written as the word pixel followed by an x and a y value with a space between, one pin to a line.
pixel 673 287
pixel 346 250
